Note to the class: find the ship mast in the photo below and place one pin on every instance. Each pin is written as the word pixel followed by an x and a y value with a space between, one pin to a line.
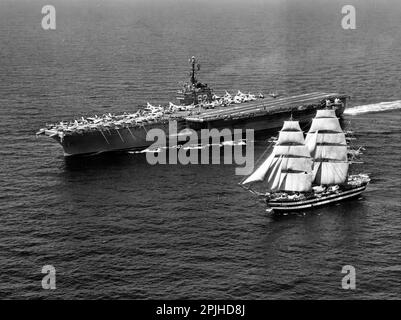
pixel 195 67
pixel 327 145
pixel 289 166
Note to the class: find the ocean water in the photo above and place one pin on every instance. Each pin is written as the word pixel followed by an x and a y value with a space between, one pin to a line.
pixel 116 227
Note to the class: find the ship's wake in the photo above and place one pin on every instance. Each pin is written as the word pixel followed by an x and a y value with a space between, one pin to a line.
pixel 190 147
pixel 375 107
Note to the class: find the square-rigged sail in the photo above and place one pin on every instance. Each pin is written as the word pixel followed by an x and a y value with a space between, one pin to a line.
pixel 328 148
pixel 289 167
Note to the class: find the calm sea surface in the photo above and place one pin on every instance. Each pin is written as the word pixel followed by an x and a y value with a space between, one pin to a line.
pixel 117 227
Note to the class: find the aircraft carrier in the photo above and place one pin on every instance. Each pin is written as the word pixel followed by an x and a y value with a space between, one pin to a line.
pixel 198 109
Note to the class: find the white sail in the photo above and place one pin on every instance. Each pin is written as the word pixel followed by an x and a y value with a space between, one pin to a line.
pixel 330 152
pixel 310 141
pixel 297 182
pixel 325 120
pixel 294 137
pixel 324 138
pixel 260 173
pixel 291 134
pixel 289 167
pixel 291 126
pixel 294 172
pixel 325 113
pixel 330 173
pixel 273 177
pixel 325 124
pixel 303 165
pixel 328 148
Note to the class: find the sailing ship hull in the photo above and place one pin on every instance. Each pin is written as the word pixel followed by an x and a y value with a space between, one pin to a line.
pixel 278 207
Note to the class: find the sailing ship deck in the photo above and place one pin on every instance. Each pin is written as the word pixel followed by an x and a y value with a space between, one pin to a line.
pixel 260 107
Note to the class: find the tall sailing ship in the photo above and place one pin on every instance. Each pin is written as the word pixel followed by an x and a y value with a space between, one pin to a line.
pixel 302 173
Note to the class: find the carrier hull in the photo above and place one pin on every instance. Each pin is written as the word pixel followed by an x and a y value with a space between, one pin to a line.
pixel 111 140
pixel 261 115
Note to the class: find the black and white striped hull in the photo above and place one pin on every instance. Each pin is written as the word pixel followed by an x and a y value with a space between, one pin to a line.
pixel 288 206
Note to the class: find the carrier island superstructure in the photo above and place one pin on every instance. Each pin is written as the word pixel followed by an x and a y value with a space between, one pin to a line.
pixel 198 108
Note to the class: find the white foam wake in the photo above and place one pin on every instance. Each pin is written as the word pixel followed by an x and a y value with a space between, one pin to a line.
pixel 376 107
pixel 191 147
pixel 224 143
